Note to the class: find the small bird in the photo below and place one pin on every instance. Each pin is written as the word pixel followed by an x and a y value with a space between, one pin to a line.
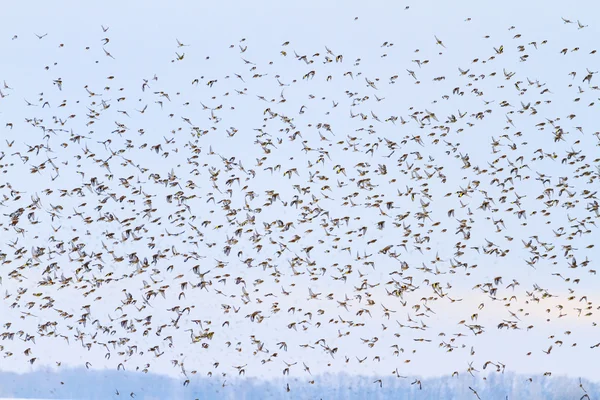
pixel 439 42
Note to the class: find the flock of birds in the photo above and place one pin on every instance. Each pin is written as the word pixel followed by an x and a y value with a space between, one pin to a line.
pixel 288 210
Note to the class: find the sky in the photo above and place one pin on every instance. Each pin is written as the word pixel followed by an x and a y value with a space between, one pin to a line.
pixel 378 41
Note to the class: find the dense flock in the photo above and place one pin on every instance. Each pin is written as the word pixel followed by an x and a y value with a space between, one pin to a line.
pixel 292 210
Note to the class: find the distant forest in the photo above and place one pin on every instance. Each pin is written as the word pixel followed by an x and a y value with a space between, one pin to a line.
pixel 105 384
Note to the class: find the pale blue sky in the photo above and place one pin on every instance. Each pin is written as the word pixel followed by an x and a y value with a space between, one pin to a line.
pixel 143 43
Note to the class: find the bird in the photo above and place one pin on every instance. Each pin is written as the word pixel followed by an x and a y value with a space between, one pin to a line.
pixel 439 42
